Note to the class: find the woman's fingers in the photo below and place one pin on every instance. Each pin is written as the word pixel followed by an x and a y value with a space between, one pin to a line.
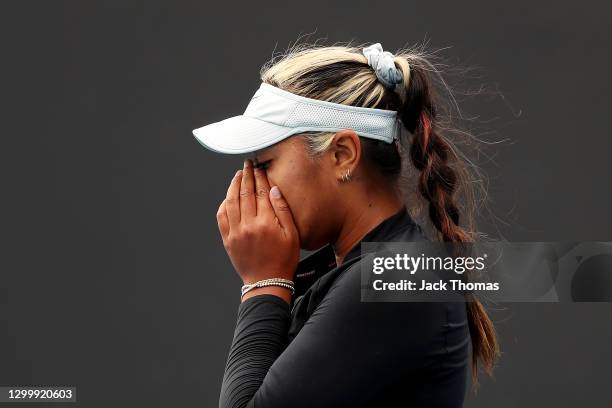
pixel 222 220
pixel 282 210
pixel 267 244
pixel 262 193
pixel 248 208
pixel 232 200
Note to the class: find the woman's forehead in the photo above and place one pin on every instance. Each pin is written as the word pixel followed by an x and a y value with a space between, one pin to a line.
pixel 263 151
pixel 257 154
pixel 284 146
pixel 267 150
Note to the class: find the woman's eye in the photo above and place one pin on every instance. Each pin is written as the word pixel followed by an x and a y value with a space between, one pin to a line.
pixel 263 165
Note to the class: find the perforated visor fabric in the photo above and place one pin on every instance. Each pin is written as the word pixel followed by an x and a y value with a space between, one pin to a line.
pixel 327 117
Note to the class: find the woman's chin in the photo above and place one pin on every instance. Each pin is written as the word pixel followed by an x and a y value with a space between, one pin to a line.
pixel 310 238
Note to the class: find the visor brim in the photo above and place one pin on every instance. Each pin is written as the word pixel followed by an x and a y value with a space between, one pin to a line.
pixel 240 134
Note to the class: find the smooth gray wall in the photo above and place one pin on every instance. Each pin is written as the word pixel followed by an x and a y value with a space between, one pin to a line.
pixel 113 275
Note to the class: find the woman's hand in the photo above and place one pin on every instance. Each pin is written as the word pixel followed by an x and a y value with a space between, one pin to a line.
pixel 258 231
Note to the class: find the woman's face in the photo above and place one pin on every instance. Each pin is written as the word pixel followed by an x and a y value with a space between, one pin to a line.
pixel 309 186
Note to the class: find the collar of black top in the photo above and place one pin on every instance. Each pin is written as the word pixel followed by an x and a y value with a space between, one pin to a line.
pixel 323 260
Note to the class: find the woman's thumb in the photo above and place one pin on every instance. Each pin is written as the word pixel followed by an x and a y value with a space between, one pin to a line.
pixel 281 208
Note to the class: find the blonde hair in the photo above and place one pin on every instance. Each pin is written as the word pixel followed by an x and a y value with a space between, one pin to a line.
pixel 341 74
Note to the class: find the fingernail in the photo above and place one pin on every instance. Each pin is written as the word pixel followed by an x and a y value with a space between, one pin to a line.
pixel 238 173
pixel 275 192
pixel 246 163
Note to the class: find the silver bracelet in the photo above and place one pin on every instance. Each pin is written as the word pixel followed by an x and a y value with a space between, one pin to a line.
pixel 285 283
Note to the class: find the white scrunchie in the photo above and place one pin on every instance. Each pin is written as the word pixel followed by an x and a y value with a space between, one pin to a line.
pixel 382 62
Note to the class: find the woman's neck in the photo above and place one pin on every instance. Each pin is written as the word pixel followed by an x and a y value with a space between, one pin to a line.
pixel 361 219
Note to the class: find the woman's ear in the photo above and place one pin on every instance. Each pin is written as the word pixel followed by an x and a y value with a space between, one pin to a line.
pixel 346 152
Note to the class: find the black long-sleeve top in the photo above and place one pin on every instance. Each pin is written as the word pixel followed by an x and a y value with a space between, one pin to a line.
pixel 329 349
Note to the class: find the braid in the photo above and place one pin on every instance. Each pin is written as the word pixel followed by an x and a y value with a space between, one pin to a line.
pixel 431 154
pixel 438 180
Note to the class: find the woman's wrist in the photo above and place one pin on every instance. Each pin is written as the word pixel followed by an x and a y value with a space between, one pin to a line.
pixel 281 292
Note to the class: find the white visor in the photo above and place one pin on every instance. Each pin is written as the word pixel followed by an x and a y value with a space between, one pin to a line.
pixel 274 114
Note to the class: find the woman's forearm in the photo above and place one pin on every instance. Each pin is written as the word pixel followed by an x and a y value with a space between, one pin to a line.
pixel 260 337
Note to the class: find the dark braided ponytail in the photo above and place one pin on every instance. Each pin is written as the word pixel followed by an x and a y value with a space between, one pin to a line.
pixel 434 157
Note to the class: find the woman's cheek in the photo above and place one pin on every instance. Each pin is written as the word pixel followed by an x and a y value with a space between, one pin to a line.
pixel 271 178
pixel 283 186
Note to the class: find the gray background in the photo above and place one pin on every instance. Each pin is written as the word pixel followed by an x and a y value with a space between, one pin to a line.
pixel 113 275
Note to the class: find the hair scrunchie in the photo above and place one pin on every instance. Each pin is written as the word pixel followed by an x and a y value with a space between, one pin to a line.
pixel 382 63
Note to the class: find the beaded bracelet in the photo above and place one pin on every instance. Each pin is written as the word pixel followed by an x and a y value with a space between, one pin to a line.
pixel 285 283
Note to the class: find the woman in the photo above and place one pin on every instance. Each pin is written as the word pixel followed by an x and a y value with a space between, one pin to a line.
pixel 327 129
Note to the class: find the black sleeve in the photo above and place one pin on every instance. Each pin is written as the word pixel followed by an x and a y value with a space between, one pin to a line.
pixel 348 353
pixel 259 338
